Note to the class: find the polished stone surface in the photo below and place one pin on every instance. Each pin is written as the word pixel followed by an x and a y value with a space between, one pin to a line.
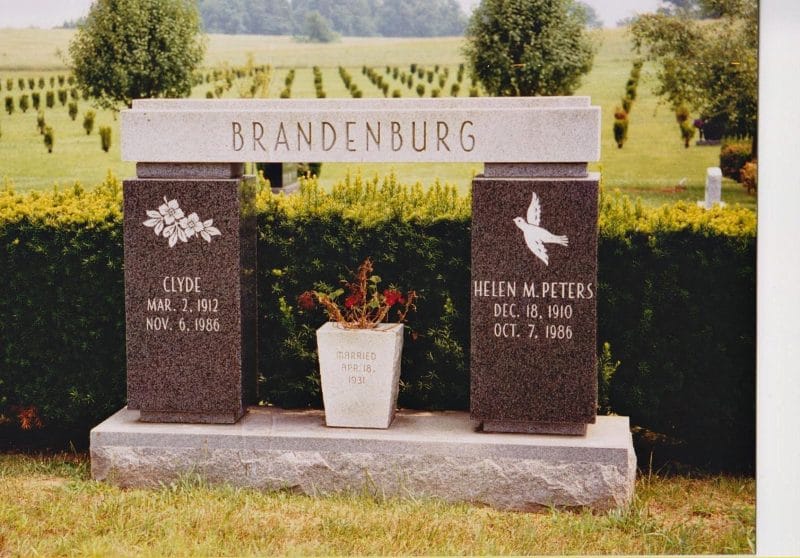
pixel 533 304
pixel 190 300
pixel 423 454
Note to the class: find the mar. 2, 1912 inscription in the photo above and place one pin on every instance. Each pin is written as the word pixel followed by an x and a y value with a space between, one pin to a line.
pixel 533 304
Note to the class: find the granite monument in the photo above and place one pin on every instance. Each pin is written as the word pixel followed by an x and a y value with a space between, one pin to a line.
pixel 190 303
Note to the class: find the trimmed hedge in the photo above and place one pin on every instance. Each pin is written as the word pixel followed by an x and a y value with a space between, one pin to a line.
pixel 676 300
pixel 733 156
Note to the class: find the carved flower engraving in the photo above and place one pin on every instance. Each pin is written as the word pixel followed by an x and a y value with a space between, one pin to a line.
pixel 171 223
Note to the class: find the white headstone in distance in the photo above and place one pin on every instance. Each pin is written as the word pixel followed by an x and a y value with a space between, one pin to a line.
pixel 713 187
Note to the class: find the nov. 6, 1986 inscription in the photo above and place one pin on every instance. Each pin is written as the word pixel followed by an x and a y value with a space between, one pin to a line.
pixel 185 298
pixel 533 310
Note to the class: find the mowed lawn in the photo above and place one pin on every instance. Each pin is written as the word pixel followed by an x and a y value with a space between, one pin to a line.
pixel 651 164
pixel 49 507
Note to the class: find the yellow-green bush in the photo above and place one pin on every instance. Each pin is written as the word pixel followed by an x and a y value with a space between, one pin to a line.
pixel 676 302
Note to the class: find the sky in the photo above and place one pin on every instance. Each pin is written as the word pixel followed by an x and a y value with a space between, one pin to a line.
pixel 52 13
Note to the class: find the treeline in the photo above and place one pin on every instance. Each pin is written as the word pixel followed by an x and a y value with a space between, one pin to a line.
pixel 355 18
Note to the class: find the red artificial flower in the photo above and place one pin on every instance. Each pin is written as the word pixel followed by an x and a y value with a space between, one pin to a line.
pixel 306 301
pixel 392 297
pixel 353 300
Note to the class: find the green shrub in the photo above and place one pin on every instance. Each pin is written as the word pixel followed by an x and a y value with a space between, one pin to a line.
pixel 749 176
pixel 420 89
pixel 473 91
pixel 41 83
pixel 396 94
pixel 676 300
pixel 687 132
pixel 49 138
pixel 733 156
pixel 24 103
pixel 683 353
pixel 88 121
pixel 9 84
pixel 454 89
pixel 10 105
pixel 105 138
pixel 620 131
pixel 36 100
pixel 31 83
pixel 209 95
pixel 21 83
pixel 436 92
pixel 50 99
pixel 72 109
pixel 627 102
pixel 682 114
pixel 40 122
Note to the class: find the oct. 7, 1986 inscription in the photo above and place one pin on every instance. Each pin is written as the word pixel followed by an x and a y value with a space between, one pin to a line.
pixel 533 310
pixel 185 298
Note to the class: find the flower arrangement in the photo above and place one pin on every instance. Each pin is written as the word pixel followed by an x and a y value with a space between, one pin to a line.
pixel 365 305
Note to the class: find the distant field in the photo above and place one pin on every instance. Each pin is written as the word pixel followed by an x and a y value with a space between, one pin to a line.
pixel 650 165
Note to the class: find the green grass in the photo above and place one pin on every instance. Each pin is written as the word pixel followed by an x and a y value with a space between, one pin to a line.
pixel 48 506
pixel 651 164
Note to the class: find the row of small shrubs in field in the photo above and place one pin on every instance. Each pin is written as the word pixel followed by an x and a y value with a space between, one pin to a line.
pixel 48 133
pixel 351 86
pixel 318 89
pixel 34 100
pixel 32 83
pixel 686 351
pixel 621 120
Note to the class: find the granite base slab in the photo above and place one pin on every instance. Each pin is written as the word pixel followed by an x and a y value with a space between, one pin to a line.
pixel 424 454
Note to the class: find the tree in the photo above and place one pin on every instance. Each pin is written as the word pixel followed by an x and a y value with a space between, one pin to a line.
pixel 352 18
pixel 528 47
pixel 318 29
pixel 590 17
pixel 420 18
pixel 260 17
pixel 710 67
pixel 692 8
pixel 131 49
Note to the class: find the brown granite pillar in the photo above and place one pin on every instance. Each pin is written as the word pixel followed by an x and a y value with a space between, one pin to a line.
pixel 190 292
pixel 533 298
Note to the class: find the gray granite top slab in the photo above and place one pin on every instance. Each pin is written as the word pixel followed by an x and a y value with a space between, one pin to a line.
pixel 412 432
pixel 491 130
